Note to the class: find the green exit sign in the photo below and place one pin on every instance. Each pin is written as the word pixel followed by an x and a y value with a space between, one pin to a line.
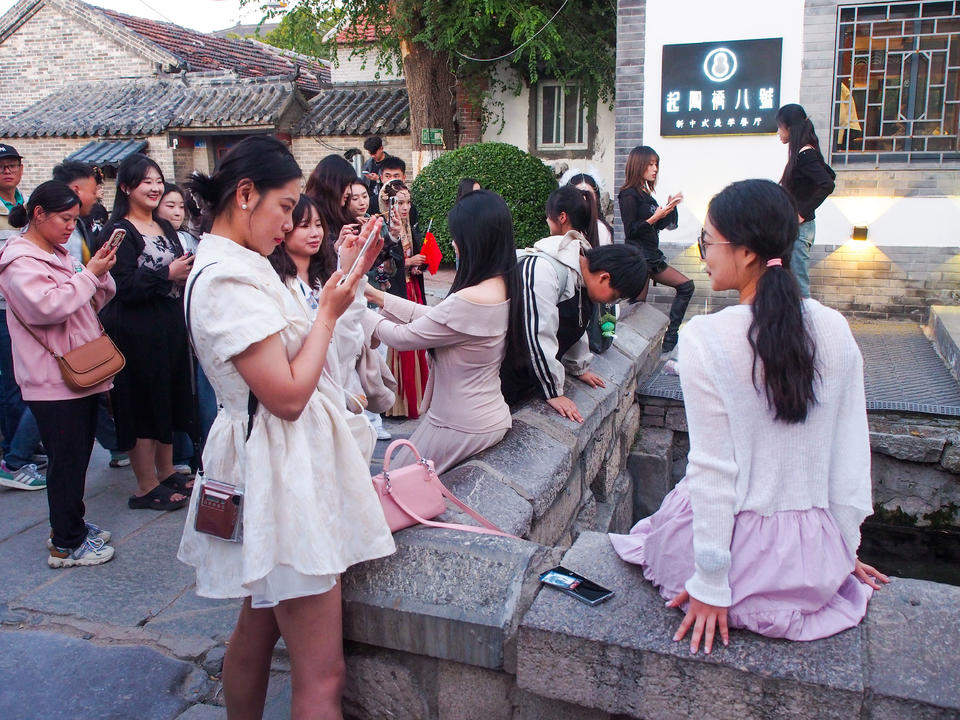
pixel 431 136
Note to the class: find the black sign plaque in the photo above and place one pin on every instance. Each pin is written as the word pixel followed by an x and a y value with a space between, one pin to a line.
pixel 720 88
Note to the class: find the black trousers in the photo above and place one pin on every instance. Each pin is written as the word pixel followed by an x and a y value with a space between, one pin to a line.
pixel 67 428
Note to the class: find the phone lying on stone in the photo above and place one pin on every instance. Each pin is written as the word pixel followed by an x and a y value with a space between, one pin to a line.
pixel 586 591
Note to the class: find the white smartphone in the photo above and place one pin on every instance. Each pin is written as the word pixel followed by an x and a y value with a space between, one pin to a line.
pixel 356 262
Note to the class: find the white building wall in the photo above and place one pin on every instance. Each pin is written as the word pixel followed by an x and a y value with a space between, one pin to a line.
pixel 358 68
pixel 702 166
pixel 515 130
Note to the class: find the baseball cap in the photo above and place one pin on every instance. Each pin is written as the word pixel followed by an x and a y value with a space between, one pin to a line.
pixel 8 151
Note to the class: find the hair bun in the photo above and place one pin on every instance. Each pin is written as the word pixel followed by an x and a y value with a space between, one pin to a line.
pixel 18 216
pixel 203 187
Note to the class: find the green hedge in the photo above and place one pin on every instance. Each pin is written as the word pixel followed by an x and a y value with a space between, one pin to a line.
pixel 522 179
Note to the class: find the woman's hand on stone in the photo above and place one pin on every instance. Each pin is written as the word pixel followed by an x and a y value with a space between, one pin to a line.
pixel 869 575
pixel 566 407
pixel 592 379
pixel 705 620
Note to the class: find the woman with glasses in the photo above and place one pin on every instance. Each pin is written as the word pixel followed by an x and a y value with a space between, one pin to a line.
pixel 763 531
pixel 643 219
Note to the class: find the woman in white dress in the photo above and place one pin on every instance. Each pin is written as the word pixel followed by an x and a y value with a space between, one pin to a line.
pixel 309 509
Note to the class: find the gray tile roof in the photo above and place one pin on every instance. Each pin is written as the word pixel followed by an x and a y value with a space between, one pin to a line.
pixel 151 106
pixel 107 152
pixel 358 109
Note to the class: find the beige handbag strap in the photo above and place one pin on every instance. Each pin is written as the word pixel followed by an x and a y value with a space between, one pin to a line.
pixel 34 335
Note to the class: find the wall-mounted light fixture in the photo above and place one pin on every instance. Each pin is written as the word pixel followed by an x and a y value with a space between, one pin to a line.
pixel 859 232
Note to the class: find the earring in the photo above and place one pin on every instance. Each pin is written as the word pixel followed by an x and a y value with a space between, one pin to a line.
pixel 243 207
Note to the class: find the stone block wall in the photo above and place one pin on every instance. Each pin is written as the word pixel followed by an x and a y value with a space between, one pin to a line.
pixel 455 626
pixel 858 279
pixel 77 51
pixel 915 462
pixel 432 630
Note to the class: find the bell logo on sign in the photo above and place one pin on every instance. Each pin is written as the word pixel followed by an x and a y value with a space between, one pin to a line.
pixel 720 65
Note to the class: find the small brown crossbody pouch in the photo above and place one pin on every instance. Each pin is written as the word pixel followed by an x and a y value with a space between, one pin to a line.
pixel 87 366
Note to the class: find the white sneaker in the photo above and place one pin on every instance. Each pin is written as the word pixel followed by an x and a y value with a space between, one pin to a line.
pixel 93 531
pixel 91 552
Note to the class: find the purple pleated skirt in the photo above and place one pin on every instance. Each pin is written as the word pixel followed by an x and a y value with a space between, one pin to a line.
pixel 790 573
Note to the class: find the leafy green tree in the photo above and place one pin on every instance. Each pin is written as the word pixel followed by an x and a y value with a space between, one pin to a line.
pixel 437 42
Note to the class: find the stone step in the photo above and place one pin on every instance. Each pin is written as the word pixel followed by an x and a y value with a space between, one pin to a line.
pixel 619 657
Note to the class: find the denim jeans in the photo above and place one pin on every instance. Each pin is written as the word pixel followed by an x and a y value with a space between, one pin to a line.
pixel 206 413
pixel 106 431
pixel 21 437
pixel 800 259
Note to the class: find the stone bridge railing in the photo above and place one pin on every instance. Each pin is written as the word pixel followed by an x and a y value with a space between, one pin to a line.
pixel 455 626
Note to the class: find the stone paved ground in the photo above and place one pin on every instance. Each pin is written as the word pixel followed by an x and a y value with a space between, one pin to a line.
pixel 133 627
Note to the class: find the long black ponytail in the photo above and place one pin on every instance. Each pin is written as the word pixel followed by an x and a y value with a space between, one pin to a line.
pixel 800 129
pixel 759 215
pixel 580 207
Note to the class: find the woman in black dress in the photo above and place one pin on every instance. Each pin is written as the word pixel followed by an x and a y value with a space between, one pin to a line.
pixel 151 396
pixel 643 219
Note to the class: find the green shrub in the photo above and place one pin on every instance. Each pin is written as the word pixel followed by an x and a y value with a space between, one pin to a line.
pixel 522 179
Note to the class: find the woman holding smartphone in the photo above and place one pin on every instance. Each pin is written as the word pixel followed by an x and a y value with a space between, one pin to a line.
pixel 309 509
pixel 643 219
pixel 53 301
pixel 151 396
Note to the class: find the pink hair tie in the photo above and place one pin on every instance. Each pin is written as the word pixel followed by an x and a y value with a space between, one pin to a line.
pixel 774 262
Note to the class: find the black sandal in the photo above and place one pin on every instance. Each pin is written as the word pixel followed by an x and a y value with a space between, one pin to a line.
pixel 178 484
pixel 156 499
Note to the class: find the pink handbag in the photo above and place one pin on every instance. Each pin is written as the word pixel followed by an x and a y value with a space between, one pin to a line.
pixel 414 494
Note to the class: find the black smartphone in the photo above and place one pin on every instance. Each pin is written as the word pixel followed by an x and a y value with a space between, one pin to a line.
pixel 586 591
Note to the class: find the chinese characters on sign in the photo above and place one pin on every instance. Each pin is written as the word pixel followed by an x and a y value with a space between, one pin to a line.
pixel 721 88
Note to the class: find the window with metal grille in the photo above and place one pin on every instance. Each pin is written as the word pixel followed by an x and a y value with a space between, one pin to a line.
pixel 561 117
pixel 897 92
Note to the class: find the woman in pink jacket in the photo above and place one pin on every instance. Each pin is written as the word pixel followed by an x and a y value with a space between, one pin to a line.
pixel 58 298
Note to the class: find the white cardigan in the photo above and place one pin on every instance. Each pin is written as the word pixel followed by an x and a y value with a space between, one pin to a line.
pixel 742 459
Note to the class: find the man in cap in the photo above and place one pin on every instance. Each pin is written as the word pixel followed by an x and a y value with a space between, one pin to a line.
pixel 20 432
pixel 11 172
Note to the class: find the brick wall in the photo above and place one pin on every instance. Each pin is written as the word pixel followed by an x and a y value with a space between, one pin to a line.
pixel 309 151
pixel 40 155
pixel 856 278
pixel 469 121
pixel 816 96
pixel 53 49
pixel 631 26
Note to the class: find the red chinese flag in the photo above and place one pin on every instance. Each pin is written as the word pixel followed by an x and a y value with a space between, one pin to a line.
pixel 431 251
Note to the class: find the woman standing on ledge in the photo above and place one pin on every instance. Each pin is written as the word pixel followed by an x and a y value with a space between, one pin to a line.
pixel 808 179
pixel 763 531
pixel 643 219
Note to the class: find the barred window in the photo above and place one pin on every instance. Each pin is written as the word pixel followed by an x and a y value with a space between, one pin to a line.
pixel 897 92
pixel 561 117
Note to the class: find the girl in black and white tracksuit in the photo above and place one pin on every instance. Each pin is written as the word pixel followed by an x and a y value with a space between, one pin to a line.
pixel 561 278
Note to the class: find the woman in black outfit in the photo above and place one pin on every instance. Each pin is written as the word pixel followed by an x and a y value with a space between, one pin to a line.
pixel 329 186
pixel 643 219
pixel 808 179
pixel 151 395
